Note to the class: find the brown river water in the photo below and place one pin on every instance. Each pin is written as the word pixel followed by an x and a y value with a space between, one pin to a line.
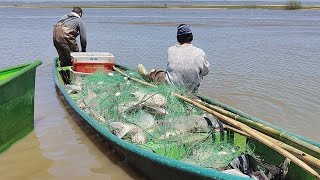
pixel 263 62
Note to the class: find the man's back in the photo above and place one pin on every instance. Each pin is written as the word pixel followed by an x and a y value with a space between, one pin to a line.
pixel 186 65
pixel 73 20
pixel 65 33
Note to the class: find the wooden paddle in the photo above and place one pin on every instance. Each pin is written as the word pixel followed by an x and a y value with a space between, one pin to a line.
pixel 252 132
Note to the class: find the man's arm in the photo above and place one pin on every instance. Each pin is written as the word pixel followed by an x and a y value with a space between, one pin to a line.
pixel 83 36
pixel 206 66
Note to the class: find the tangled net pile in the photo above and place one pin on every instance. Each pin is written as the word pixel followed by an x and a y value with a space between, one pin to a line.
pixel 154 119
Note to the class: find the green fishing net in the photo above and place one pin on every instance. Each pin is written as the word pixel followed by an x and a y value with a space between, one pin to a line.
pixel 154 119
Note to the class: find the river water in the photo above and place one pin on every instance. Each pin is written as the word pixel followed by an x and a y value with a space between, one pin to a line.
pixel 263 62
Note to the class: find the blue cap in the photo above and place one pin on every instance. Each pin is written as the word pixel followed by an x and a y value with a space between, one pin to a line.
pixel 183 29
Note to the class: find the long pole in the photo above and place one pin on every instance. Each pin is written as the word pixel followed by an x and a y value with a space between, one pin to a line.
pixel 252 132
pixel 300 154
pixel 247 121
pixel 262 127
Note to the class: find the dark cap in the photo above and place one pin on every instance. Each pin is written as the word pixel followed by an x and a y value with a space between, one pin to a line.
pixel 183 29
pixel 77 10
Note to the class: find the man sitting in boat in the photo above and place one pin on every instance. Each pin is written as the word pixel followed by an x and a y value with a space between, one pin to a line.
pixel 186 66
pixel 65 33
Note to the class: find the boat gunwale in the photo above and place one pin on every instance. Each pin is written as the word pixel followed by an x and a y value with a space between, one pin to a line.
pixel 24 68
pixel 160 159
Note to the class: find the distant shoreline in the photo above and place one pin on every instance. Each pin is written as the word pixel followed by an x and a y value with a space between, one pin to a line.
pixel 233 6
pixel 158 4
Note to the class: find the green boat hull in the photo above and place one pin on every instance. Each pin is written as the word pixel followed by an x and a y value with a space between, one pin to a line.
pixel 17 86
pixel 155 166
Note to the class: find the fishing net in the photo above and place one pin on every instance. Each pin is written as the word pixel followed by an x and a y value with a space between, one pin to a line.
pixel 153 118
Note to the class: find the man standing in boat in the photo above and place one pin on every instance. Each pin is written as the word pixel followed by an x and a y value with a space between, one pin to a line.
pixel 65 33
pixel 186 66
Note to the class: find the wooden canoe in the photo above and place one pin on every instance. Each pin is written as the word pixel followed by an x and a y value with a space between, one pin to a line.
pixel 17 85
pixel 156 166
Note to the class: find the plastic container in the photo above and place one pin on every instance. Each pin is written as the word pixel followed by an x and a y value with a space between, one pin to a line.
pixel 89 62
pixel 76 77
pixel 91 67
pixel 99 57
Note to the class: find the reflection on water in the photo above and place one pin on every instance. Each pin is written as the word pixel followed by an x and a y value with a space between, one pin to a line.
pixel 24 160
pixel 265 63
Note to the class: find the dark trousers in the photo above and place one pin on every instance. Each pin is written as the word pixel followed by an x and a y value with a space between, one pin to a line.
pixel 157 77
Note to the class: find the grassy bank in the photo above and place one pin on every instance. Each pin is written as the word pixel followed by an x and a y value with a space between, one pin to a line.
pixel 246 6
